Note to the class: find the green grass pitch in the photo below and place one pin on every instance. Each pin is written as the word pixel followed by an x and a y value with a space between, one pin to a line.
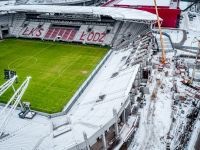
pixel 57 70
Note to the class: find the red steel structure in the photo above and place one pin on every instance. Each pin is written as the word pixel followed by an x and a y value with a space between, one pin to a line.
pixel 170 14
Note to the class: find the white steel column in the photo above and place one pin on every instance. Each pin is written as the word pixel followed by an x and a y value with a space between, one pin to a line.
pixel 116 122
pixel 86 140
pixel 124 116
pixel 104 141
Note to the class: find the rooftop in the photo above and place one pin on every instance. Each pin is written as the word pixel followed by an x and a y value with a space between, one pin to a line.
pixel 144 2
pixel 116 13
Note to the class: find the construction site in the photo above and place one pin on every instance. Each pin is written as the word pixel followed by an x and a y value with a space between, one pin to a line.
pixel 143 93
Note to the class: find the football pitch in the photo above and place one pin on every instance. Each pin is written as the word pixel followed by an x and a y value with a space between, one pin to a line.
pixel 57 70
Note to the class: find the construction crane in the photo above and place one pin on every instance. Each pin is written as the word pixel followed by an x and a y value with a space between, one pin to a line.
pixel 6 113
pixel 163 58
pixel 7 84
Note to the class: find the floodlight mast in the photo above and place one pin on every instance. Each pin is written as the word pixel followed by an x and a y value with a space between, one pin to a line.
pixel 163 58
pixel 15 99
pixel 7 84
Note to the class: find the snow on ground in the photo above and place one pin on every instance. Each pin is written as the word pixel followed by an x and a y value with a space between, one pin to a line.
pixel 192 27
pixel 183 5
pixel 194 24
pixel 196 75
pixel 180 52
pixel 191 38
pixel 156 115
pixel 194 135
pixel 156 130
pixel 176 35
pixel 166 42
pixel 181 112
pixel 7 2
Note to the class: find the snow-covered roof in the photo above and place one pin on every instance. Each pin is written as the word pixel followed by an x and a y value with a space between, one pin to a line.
pixel 60 2
pixel 7 2
pixel 115 13
pixel 144 2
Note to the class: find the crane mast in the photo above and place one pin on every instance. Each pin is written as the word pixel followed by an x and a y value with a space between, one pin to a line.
pixel 163 58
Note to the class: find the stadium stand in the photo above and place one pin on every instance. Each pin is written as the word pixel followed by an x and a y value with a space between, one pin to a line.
pixel 16 25
pixel 4 20
pixel 34 30
pixel 128 33
pixel 85 28
pixel 60 2
pixel 93 34
pixel 86 33
pixel 61 33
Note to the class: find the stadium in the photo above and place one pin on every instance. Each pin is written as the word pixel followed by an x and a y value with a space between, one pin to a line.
pixel 55 88
pixel 77 77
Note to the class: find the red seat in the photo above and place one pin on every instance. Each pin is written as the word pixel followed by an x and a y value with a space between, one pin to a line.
pixel 55 32
pixel 61 32
pixel 48 34
pixel 72 35
pixel 66 34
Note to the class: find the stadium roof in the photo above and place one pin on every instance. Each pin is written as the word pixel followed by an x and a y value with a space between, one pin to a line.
pixel 115 13
pixel 144 2
pixel 54 2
